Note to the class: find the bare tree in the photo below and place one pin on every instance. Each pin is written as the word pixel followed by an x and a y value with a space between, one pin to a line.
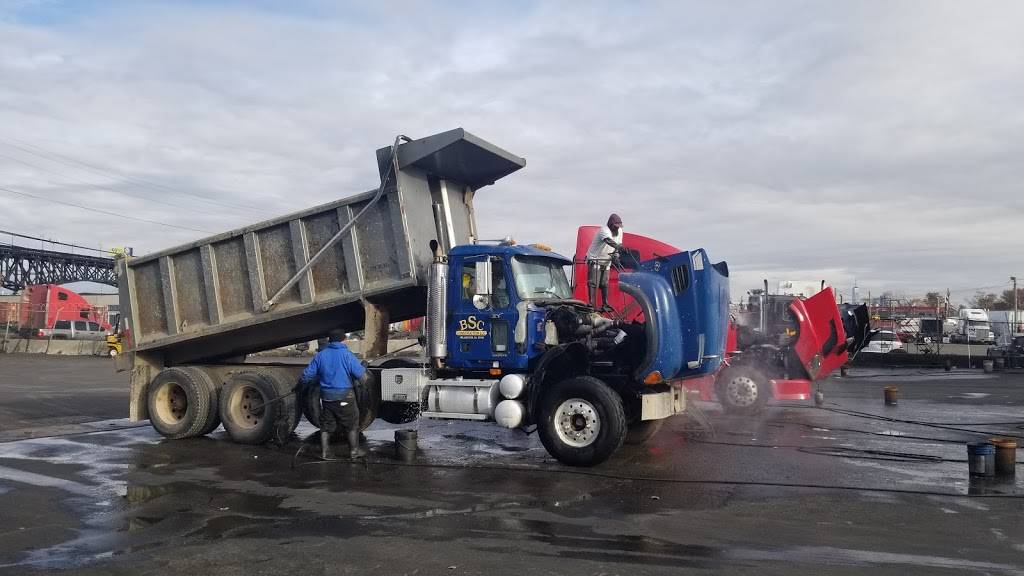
pixel 985 300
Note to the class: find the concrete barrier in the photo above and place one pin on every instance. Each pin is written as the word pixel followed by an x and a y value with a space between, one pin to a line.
pixel 62 347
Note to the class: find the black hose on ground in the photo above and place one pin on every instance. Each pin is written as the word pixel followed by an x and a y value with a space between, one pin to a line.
pixel 870 416
pixel 653 479
pixel 846 452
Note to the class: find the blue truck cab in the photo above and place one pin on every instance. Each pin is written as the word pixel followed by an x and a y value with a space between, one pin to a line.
pixel 507 342
pixel 685 300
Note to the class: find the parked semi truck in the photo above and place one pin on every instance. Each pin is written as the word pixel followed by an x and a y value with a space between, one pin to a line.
pixel 973 327
pixel 506 342
pixel 778 344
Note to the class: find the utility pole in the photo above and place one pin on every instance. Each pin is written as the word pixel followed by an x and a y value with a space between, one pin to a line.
pixel 1016 320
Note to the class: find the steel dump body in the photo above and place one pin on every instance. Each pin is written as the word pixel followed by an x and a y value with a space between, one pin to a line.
pixel 204 301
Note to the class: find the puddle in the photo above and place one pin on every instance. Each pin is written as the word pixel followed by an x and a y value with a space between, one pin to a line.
pixel 832 556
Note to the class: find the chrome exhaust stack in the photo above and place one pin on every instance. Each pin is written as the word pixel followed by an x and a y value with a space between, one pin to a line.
pixel 437 309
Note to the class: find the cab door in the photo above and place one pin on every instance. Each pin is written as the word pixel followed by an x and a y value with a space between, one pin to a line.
pixel 480 330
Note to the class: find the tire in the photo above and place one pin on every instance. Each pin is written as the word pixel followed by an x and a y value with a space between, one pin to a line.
pixel 742 389
pixel 368 400
pixel 642 431
pixel 112 352
pixel 248 410
pixel 289 414
pixel 179 403
pixel 582 421
pixel 309 405
pixel 213 415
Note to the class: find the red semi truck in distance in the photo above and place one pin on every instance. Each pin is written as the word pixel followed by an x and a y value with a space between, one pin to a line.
pixel 778 345
pixel 46 305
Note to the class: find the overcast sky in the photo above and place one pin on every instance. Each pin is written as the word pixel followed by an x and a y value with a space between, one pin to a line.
pixel 876 141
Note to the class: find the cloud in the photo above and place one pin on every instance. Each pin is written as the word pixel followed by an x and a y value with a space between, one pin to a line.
pixel 874 141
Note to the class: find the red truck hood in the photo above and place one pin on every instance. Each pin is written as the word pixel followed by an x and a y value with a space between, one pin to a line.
pixel 821 346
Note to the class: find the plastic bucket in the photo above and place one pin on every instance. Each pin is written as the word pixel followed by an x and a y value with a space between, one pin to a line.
pixel 1005 456
pixel 405 445
pixel 988 366
pixel 891 394
pixel 981 459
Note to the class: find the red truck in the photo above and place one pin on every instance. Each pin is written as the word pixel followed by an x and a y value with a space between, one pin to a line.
pixel 778 345
pixel 51 307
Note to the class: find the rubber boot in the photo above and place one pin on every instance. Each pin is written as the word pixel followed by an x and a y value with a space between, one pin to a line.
pixel 325 446
pixel 353 443
pixel 592 294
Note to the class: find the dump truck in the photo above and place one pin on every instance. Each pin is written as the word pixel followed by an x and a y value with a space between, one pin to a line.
pixel 506 342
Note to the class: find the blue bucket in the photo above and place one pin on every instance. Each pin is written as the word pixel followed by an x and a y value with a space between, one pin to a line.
pixel 981 459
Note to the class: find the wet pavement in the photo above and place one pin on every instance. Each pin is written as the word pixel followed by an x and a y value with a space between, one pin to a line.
pixel 843 490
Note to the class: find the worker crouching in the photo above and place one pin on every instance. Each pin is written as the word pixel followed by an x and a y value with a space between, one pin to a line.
pixel 336 367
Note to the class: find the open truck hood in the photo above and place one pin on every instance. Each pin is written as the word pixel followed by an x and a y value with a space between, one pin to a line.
pixel 822 345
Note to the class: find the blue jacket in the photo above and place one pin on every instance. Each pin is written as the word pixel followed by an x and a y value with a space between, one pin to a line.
pixel 335 366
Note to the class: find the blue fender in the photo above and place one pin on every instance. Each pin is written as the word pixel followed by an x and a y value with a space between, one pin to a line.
pixel 664 332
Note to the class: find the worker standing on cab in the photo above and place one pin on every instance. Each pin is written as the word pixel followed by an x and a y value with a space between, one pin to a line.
pixel 337 368
pixel 599 260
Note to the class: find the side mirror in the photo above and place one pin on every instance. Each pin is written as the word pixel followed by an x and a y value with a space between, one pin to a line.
pixel 482 297
pixel 483 278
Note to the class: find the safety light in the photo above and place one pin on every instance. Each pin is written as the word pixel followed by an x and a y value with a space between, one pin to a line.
pixel 653 378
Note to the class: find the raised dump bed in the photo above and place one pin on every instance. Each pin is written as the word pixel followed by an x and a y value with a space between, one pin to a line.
pixel 208 299
pixel 247 290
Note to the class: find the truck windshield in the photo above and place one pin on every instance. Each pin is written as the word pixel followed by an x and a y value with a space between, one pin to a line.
pixel 978 323
pixel 539 278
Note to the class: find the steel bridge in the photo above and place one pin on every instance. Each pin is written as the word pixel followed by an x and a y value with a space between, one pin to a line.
pixel 20 266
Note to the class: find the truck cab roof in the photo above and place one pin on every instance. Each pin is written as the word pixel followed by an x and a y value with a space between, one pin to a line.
pixel 506 249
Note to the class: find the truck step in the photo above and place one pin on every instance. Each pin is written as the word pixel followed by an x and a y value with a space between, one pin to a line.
pixel 453 416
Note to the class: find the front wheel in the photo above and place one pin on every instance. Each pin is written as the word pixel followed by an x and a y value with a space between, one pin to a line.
pixel 742 389
pixel 582 421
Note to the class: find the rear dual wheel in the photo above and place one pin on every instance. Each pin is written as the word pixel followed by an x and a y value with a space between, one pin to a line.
pixel 182 402
pixel 258 406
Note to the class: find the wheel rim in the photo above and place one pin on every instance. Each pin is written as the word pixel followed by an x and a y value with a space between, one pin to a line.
pixel 577 422
pixel 741 391
pixel 113 352
pixel 171 403
pixel 246 407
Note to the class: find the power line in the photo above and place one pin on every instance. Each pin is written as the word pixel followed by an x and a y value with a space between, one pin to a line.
pixel 9 233
pixel 99 211
pixel 101 187
pixel 961 290
pixel 100 170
